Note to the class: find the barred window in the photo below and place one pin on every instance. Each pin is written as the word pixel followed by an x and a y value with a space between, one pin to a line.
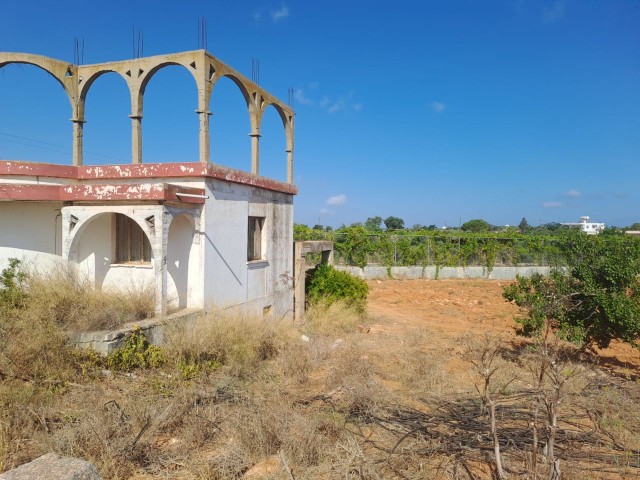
pixel 254 244
pixel 132 245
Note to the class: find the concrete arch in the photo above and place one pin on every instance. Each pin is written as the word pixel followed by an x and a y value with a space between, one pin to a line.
pixel 63 72
pixel 77 232
pixel 86 84
pixel 148 75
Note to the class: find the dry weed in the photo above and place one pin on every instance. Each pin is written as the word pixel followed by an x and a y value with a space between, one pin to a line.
pixel 331 319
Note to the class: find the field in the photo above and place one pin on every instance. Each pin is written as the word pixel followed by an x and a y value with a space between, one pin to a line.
pixel 392 395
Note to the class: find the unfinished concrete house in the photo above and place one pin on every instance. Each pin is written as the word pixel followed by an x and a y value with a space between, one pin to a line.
pixel 203 235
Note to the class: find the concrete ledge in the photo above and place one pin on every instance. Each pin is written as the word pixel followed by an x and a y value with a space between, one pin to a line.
pixel 429 272
pixel 106 341
pixel 53 466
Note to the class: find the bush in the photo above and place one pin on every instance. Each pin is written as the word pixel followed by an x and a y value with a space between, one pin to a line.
pixel 325 284
pixel 596 300
pixel 136 352
pixel 12 285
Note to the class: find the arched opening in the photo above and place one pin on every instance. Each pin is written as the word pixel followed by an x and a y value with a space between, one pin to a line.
pixel 170 125
pixel 273 146
pixel 113 251
pixel 34 116
pixel 107 133
pixel 230 126
pixel 180 256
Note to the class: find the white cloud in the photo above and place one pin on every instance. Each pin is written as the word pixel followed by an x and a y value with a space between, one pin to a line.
pixel 337 199
pixel 325 211
pixel 553 13
pixel 336 107
pixel 438 107
pixel 282 12
pixel 573 194
pixel 301 98
pixel 357 107
pixel 551 204
pixel 325 102
pixel 313 85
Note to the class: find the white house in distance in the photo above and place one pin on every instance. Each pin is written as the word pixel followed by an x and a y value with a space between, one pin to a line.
pixel 203 235
pixel 590 228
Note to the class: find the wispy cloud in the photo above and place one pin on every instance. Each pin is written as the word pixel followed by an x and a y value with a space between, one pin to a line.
pixel 282 12
pixel 325 211
pixel 340 199
pixel 551 204
pixel 438 107
pixel 301 98
pixel 573 194
pixel 553 13
pixel 310 96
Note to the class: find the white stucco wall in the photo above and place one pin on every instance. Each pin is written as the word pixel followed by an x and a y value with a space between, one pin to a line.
pixel 31 232
pixel 230 282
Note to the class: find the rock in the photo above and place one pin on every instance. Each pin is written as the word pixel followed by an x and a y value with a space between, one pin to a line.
pixel 265 469
pixel 52 466
pixel 304 338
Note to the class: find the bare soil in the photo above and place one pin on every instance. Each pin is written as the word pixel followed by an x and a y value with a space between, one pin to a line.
pixel 452 308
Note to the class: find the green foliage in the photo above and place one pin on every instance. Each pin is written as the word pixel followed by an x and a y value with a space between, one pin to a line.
pixel 596 300
pixel 136 352
pixel 325 284
pixel 393 223
pixel 373 224
pixel 476 225
pixel 12 285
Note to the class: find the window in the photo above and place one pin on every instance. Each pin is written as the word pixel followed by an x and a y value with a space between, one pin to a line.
pixel 132 245
pixel 254 244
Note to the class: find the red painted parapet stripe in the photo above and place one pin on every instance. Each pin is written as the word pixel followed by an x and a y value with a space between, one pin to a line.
pixel 161 192
pixel 41 193
pixel 144 170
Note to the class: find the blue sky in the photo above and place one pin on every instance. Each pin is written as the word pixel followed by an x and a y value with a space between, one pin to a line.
pixel 434 111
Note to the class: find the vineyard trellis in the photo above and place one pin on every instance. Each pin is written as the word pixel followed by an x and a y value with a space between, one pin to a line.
pixel 356 246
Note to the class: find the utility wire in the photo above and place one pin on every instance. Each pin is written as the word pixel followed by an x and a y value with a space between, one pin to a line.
pixel 47 146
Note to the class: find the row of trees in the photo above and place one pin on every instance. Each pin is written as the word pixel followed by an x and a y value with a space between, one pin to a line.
pixel 477 225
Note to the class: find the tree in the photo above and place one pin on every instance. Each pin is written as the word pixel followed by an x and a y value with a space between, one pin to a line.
pixel 394 223
pixel 523 226
pixel 635 226
pixel 476 225
pixel 373 224
pixel 318 227
pixel 595 301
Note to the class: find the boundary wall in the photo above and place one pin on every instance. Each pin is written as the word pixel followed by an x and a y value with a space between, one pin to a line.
pixel 432 272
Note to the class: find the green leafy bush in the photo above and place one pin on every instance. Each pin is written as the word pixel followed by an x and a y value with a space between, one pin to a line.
pixel 596 299
pixel 325 284
pixel 136 352
pixel 12 285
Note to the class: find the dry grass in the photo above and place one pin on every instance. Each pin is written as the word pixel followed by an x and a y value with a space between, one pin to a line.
pixel 72 302
pixel 331 319
pixel 370 406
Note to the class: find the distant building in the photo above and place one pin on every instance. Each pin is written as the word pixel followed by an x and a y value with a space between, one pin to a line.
pixel 590 228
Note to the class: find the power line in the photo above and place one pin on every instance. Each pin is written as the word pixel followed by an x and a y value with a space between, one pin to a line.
pixel 47 146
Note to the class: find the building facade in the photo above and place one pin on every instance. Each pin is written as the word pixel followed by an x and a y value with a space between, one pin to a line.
pixel 199 234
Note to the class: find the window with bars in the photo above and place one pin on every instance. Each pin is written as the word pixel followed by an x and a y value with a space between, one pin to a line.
pixel 132 245
pixel 254 244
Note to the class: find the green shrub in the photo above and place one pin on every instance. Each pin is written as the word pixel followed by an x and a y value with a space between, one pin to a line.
pixel 595 300
pixel 12 285
pixel 136 352
pixel 325 284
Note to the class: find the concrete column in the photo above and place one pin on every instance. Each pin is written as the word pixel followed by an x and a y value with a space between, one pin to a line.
pixel 136 138
pixel 289 166
pixel 255 152
pixel 205 144
pixel 299 272
pixel 78 127
pixel 327 256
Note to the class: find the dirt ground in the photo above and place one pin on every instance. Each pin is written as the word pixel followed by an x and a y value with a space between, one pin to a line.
pixel 457 307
